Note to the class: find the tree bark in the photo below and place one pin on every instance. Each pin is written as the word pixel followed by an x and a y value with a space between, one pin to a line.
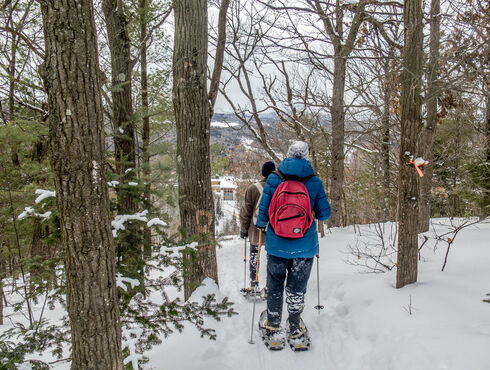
pixel 73 80
pixel 122 105
pixel 342 50
pixel 11 102
pixel 486 204
pixel 386 141
pixel 411 122
pixel 219 56
pixel 429 130
pixel 130 242
pixel 193 120
pixel 338 133
pixel 145 152
pixel 1 300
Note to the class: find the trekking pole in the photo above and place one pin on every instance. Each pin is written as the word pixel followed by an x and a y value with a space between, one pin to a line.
pixel 251 341
pixel 245 265
pixel 318 306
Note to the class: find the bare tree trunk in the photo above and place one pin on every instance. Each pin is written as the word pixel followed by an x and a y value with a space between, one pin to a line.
pixel 386 141
pixel 146 120
pixel 73 80
pixel 486 204
pixel 429 130
pixel 11 105
pixel 338 134
pixel 411 122
pixel 192 113
pixel 130 243
pixel 41 249
pixel 122 105
pixel 314 156
pixel 342 50
pixel 1 300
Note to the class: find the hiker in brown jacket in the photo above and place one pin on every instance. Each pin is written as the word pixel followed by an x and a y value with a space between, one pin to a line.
pixel 248 217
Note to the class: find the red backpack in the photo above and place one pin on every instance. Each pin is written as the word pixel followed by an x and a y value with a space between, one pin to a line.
pixel 290 209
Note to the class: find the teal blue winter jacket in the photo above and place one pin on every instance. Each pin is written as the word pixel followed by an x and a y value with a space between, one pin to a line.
pixel 307 246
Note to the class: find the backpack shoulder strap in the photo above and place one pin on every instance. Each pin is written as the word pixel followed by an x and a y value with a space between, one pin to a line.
pixel 259 187
pixel 304 179
pixel 280 174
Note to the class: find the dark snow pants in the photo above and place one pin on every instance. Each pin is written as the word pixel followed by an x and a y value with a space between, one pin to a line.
pixel 253 261
pixel 296 273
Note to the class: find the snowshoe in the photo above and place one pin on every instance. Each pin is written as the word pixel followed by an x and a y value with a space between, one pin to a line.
pixel 272 337
pixel 298 336
pixel 249 293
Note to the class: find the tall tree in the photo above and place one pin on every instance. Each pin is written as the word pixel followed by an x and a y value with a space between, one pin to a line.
pixel 193 110
pixel 73 81
pixel 143 10
pixel 129 245
pixel 122 103
pixel 411 124
pixel 343 46
pixel 430 125
pixel 1 299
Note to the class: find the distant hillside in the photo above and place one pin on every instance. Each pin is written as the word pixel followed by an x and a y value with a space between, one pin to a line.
pixel 229 131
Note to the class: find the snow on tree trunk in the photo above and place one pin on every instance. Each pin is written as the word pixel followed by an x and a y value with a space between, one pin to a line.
pixel 73 80
pixel 193 119
pixel 411 122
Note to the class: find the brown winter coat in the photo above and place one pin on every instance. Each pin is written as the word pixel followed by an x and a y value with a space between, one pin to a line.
pixel 252 196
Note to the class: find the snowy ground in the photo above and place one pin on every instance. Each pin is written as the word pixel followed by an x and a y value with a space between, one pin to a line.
pixel 365 323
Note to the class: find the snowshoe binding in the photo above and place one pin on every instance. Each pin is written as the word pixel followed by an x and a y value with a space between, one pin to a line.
pixel 273 337
pixel 250 294
pixel 297 336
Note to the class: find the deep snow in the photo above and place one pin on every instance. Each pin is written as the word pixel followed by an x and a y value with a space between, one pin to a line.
pixel 365 323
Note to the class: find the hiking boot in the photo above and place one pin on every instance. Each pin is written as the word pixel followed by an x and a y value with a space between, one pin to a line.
pixel 296 328
pixel 273 336
pixel 297 335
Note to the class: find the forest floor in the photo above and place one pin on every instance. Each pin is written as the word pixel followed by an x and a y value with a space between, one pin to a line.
pixel 438 323
pixel 441 322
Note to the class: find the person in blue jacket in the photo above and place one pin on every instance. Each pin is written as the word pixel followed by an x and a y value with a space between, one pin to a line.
pixel 290 260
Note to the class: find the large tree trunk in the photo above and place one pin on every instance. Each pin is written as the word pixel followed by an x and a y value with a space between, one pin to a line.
pixel 337 112
pixel 192 113
pixel 72 79
pixel 411 122
pixel 429 130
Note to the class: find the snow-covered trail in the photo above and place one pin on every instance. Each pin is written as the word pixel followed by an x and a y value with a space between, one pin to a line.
pixel 364 324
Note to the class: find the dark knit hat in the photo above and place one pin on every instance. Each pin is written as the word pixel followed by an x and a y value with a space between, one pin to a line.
pixel 267 168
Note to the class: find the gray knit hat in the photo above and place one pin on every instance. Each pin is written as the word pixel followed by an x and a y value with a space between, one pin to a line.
pixel 298 149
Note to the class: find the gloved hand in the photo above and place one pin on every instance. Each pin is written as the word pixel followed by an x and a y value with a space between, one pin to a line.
pixel 262 228
pixel 243 234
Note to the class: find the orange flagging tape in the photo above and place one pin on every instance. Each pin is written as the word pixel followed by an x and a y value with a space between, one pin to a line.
pixel 417 165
